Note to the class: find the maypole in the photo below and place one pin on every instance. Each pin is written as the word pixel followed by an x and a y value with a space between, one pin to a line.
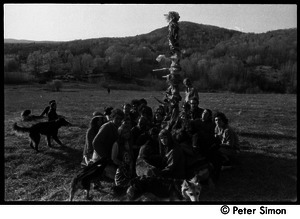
pixel 173 78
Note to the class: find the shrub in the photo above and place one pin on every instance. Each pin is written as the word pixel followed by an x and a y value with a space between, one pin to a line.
pixel 55 85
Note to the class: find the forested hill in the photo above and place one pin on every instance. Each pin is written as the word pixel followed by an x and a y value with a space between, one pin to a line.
pixel 193 37
pixel 215 58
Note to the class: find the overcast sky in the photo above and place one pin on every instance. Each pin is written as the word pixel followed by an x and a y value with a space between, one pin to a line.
pixel 65 22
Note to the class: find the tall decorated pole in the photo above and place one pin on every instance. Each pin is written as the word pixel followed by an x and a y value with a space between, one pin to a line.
pixel 173 78
pixel 172 18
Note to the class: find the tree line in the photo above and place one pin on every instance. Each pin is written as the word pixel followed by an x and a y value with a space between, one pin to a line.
pixel 214 58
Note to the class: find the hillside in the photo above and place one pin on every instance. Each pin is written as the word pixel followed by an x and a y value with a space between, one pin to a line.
pixel 192 36
pixel 9 40
pixel 216 58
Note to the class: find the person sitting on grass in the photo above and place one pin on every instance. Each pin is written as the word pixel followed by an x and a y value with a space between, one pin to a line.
pixel 173 163
pixel 149 160
pixel 204 138
pixel 95 124
pixel 134 112
pixel 122 157
pixel 196 111
pixel 157 120
pixel 145 110
pixel 139 135
pixel 160 109
pixel 190 91
pixel 186 108
pixel 229 142
pixel 126 110
pixel 104 140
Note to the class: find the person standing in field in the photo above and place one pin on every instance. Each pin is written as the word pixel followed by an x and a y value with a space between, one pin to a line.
pixel 52 115
pixel 47 108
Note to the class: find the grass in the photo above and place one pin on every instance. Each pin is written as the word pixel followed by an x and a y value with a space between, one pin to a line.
pixel 266 124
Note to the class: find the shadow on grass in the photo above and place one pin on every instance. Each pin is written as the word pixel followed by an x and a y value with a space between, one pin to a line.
pixel 69 158
pixel 258 178
pixel 267 136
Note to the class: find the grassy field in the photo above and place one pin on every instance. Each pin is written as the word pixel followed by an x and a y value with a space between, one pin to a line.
pixel 266 124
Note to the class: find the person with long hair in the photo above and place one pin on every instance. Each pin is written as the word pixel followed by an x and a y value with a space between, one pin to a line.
pixel 173 156
pixel 94 126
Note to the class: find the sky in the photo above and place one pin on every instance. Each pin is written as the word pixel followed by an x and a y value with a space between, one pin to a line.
pixel 66 22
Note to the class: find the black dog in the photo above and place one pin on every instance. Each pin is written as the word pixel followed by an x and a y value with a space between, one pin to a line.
pixel 50 129
pixel 86 176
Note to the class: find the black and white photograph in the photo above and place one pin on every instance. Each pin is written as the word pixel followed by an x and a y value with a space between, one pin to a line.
pixel 151 104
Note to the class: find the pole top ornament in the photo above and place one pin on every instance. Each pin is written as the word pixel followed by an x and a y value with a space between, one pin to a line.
pixel 172 16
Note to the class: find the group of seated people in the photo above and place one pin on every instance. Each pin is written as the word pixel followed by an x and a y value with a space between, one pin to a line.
pixel 170 141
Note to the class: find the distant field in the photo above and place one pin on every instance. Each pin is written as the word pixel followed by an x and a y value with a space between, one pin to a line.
pixel 266 124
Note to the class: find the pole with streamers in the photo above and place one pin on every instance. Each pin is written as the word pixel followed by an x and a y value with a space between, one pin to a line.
pixel 174 77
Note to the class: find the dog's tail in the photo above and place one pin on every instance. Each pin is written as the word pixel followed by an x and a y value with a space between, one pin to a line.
pixel 20 129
